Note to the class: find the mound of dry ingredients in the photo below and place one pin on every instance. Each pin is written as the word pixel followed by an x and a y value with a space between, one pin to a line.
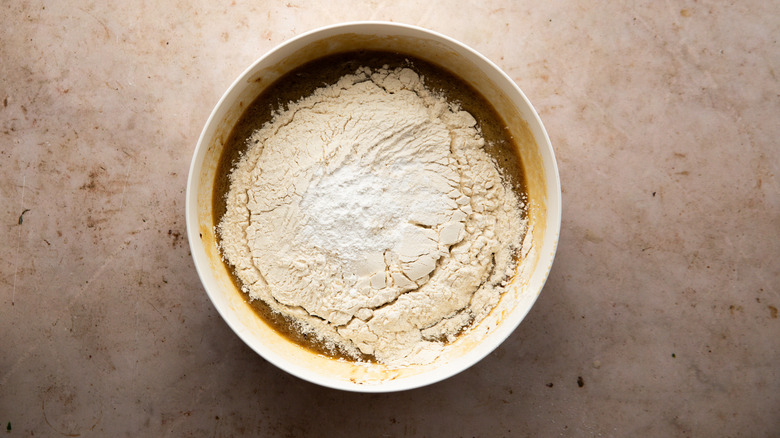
pixel 369 213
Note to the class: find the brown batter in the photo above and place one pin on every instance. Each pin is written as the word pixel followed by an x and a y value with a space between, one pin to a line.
pixel 302 82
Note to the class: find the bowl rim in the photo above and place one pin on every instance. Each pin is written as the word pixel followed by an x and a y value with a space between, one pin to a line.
pixel 427 377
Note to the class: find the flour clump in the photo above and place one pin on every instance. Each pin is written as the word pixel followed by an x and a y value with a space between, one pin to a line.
pixel 369 213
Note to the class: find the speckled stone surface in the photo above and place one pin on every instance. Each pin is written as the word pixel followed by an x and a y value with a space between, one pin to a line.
pixel 660 316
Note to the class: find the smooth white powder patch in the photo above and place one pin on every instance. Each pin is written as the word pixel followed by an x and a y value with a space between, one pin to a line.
pixel 370 213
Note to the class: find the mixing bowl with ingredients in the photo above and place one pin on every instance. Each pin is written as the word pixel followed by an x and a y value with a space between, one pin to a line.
pixel 373 206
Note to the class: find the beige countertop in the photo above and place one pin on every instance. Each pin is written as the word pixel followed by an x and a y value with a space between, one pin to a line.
pixel 660 316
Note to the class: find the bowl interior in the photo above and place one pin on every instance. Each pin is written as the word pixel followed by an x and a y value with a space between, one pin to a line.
pixel 542 184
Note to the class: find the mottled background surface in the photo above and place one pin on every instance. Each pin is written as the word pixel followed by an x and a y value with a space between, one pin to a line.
pixel 660 317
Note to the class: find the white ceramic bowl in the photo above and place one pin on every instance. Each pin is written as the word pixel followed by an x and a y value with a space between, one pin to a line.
pixel 542 182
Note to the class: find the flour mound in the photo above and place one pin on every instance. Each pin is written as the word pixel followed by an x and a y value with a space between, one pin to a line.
pixel 369 213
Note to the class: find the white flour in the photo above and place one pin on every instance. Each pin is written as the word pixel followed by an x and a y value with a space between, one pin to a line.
pixel 369 213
